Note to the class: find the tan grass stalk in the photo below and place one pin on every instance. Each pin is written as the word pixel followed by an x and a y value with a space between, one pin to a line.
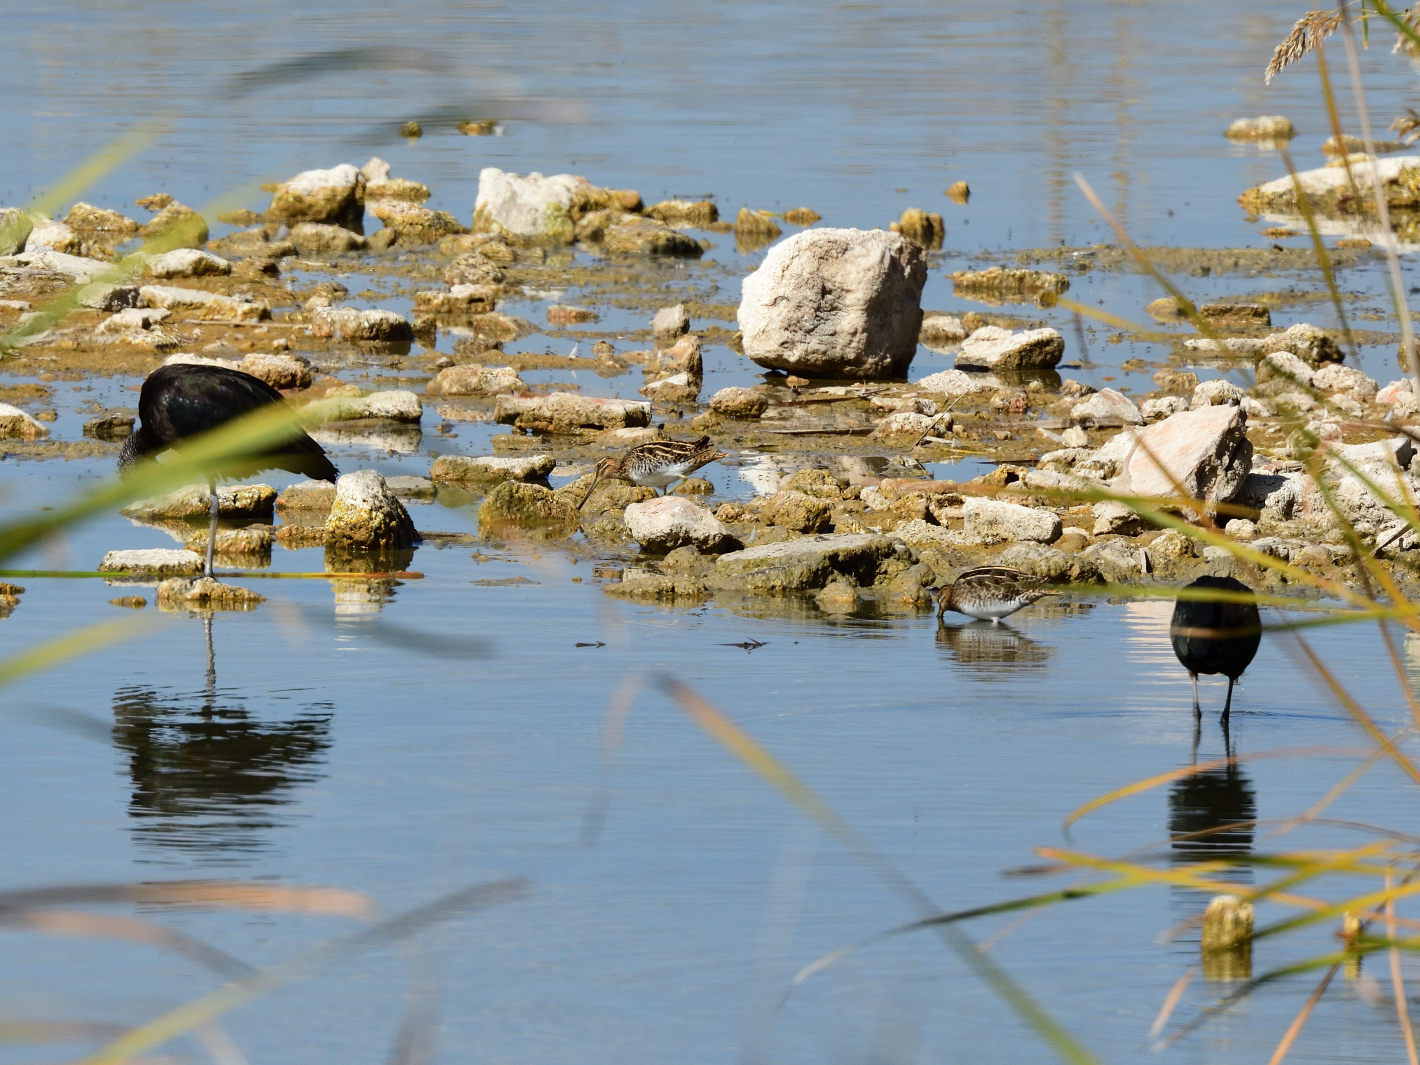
pixel 1170 1002
pixel 1402 1012
pixel 1295 1029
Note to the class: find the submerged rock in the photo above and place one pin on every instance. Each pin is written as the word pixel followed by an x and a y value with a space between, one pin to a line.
pixel 1264 127
pixel 635 235
pixel 1003 282
pixel 1106 407
pixel 492 469
pixel 347 323
pixel 835 303
pixel 204 593
pixel 673 521
pixel 395 405
pixel 307 495
pixel 699 214
pixel 367 514
pixel 806 563
pixel 526 506
pixel 16 423
pixel 335 196
pixel 474 381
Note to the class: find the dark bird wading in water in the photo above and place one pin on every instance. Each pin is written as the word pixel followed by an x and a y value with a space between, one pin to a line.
pixel 186 400
pixel 1216 637
pixel 655 464
pixel 990 593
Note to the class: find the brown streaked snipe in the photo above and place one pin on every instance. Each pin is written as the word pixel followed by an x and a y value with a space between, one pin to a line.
pixel 990 593
pixel 655 464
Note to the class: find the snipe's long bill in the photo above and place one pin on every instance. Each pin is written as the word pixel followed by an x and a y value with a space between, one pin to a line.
pixel 990 593
pixel 655 464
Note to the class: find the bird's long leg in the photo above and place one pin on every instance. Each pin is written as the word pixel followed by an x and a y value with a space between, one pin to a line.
pixel 1228 703
pixel 212 527
pixel 1196 711
pixel 1197 735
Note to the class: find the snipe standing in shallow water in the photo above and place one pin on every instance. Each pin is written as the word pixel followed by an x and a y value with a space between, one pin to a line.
pixel 1215 637
pixel 990 593
pixel 655 464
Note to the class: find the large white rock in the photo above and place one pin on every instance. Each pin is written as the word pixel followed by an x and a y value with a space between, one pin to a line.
pixel 532 206
pixel 994 348
pixel 1206 451
pixel 1308 342
pixel 52 236
pixel 835 303
pixel 334 196
pixel 79 267
pixel 367 514
pixel 349 323
pixel 1105 407
pixel 990 521
pixel 395 405
pixel 15 422
pixel 673 521
pixel 188 262
pixel 1335 378
pixel 951 383
pixel 1286 368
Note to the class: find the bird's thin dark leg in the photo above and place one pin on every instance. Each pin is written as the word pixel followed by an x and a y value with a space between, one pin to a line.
pixel 1228 703
pixel 1197 735
pixel 1196 711
pixel 212 528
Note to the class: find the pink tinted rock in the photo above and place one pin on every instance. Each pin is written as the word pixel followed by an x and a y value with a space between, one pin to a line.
pixel 1205 450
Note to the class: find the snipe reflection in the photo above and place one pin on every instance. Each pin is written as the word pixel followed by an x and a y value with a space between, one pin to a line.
pixel 206 774
pixel 990 649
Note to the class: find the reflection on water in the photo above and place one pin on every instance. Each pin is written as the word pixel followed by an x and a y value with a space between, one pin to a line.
pixel 206 774
pixel 1205 803
pixel 983 648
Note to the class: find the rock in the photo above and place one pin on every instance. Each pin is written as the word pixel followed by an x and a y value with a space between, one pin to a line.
pixel 1395 391
pixel 204 593
pixel 367 514
pixel 1307 342
pixel 949 383
pixel 994 348
pixel 249 502
pixel 109 426
pixel 921 227
pixel 673 521
pixel 903 425
pixel 738 403
pixel 335 196
pixel 534 206
pixel 1118 562
pixel 251 540
pixel 1256 408
pixel 567 412
pixel 492 469
pixel 990 521
pixel 473 269
pixel 1216 393
pixel 320 238
pixel 1329 188
pixel 838 597
pixel 1284 370
pixel 1206 451
pixel 16 423
pixel 155 561
pixel 210 305
pixel 176 226
pixel 563 314
pixel 1106 407
pixel 411 486
pixel 941 329
pixel 396 405
pixel 634 235
pixel 100 224
pixel 1274 495
pixel 1074 436
pixel 53 236
pixel 474 381
pixel 799 511
pixel 809 562
pixel 279 371
pixel 307 495
pixel 684 356
pixel 1241 529
pixel 670 322
pixel 526 506
pixel 1334 379
pixel 347 323
pixel 188 262
pixel 1227 922
pixel 15 229
pixel 835 303
pixel 1052 564
pixel 82 270
pixel 678 388
pixel 102 296
pixel 1004 282
pixel 699 214
pixel 155 202
pixel 1262 128
pixel 1116 518
pixel 1161 407
pixel 754 229
pixel 413 224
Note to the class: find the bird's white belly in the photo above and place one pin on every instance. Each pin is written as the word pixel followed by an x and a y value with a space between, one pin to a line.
pixel 661 477
pixel 990 611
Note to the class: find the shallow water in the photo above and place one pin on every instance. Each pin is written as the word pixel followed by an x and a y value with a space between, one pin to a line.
pixel 452 732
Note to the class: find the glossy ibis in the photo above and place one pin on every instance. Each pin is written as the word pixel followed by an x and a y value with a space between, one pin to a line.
pixel 184 400
pixel 1215 637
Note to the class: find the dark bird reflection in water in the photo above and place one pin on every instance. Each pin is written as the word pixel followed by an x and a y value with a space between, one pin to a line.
pixel 1211 817
pixel 991 649
pixel 207 775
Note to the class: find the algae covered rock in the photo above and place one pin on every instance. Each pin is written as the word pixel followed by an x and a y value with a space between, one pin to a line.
pixel 527 506
pixel 366 514
pixel 835 303
pixel 567 412
pixel 16 423
pixel 492 469
pixel 474 381
pixel 700 213
pixel 335 196
pixel 319 237
pixel 15 229
pixel 204 593
pixel 252 502
pixel 806 563
pixel 157 561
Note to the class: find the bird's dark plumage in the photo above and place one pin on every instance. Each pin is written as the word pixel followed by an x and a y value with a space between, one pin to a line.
pixel 1216 637
pixel 184 400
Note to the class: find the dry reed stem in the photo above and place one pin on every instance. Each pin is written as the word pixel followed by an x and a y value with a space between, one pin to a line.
pixel 1401 1010
pixel 1170 1002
